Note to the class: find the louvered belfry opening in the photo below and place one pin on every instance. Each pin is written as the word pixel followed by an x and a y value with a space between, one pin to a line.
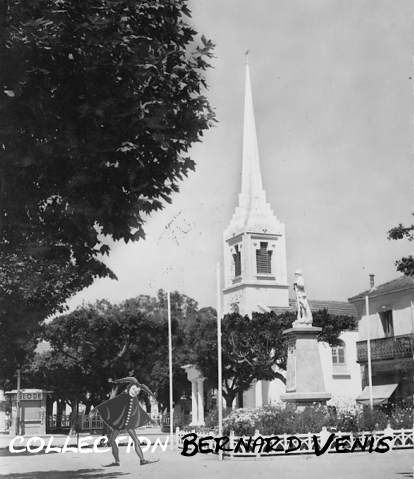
pixel 237 261
pixel 263 259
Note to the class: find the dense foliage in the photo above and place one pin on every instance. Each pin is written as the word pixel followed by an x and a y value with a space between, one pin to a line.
pixel 100 102
pixel 101 341
pixel 105 341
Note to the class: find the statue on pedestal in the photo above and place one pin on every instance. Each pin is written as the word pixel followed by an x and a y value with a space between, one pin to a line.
pixel 305 379
pixel 304 316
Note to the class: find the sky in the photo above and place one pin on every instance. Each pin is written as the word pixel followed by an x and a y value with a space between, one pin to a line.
pixel 333 95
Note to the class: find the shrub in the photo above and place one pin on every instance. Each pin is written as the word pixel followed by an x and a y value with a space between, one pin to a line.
pixel 211 419
pixel 313 418
pixel 276 420
pixel 242 421
pixel 346 421
pixel 288 419
pixel 273 420
pixel 372 420
pixel 402 417
pixel 269 420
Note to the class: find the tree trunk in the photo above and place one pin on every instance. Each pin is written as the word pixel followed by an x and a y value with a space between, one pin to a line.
pixel 240 399
pixel 229 398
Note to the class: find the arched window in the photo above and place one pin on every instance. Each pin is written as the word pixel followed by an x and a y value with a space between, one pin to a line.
pixel 338 355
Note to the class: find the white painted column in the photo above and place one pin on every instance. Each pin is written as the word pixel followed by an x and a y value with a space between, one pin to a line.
pixel 194 409
pixel 258 394
pixel 265 393
pixel 249 397
pixel 200 401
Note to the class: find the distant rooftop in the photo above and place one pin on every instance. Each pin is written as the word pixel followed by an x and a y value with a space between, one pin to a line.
pixel 338 308
pixel 399 284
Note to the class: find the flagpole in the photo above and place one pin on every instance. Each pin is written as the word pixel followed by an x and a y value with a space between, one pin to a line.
pixel 219 365
pixel 170 369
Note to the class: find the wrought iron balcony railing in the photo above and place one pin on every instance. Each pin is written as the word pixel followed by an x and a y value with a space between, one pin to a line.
pixel 394 347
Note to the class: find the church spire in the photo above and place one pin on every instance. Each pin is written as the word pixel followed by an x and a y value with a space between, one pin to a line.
pixel 251 176
pixel 254 241
pixel 253 213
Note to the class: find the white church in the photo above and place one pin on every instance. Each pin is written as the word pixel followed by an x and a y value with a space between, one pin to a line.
pixel 256 278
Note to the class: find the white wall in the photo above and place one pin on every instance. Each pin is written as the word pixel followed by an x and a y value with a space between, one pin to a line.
pixel 344 384
pixel 398 302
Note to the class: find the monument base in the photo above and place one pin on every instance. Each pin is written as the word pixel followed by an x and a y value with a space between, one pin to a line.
pixel 305 384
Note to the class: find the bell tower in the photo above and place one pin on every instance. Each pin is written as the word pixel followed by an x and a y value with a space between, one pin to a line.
pixel 255 275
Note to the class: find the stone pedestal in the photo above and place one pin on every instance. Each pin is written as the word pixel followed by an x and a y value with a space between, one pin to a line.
pixel 304 382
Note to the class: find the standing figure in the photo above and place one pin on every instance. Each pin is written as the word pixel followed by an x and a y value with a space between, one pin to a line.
pixel 123 412
pixel 304 316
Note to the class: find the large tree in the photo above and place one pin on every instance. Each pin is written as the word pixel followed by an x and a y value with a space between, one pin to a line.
pixel 405 264
pixel 253 349
pixel 102 341
pixel 100 102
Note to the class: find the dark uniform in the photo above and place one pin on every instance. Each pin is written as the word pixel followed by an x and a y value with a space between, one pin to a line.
pixel 123 412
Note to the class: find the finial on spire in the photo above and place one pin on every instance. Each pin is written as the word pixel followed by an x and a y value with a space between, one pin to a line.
pixel 246 54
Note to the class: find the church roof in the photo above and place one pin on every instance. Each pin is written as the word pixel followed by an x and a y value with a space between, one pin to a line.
pixel 399 284
pixel 337 308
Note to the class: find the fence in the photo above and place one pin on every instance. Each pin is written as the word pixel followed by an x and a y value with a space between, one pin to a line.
pixel 86 423
pixel 240 446
pixel 64 421
pixel 180 420
pixel 54 421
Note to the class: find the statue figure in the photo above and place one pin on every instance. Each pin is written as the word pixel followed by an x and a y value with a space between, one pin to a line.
pixel 304 317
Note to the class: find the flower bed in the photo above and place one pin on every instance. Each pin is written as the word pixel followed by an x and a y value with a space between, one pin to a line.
pixel 368 441
pixel 350 427
pixel 282 419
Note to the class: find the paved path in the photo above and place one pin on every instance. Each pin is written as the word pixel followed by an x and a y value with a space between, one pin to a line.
pixel 391 465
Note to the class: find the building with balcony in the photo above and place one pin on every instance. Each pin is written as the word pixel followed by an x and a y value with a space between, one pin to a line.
pixel 390 329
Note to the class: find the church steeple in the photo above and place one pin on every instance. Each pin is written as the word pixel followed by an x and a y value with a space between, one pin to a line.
pixel 253 212
pixel 254 241
pixel 251 176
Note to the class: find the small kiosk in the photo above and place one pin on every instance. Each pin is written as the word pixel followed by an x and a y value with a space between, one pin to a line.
pixel 28 412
